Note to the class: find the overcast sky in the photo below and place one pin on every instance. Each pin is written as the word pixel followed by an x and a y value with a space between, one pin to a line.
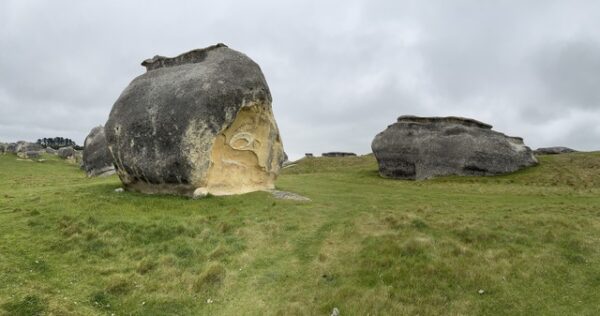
pixel 339 71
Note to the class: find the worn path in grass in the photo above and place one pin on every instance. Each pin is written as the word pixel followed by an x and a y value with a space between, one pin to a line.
pixel 530 241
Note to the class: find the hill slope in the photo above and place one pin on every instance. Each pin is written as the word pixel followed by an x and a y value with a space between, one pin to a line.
pixel 529 241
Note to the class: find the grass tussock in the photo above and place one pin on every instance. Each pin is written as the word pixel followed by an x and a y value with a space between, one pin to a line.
pixel 211 278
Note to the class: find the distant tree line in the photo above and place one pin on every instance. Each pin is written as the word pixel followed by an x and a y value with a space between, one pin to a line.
pixel 58 142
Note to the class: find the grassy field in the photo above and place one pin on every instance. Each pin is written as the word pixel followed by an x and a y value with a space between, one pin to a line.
pixel 522 244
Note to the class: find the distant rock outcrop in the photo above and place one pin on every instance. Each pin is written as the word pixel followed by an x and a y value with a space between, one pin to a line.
pixel 338 154
pixel 97 160
pixel 426 147
pixel 66 152
pixel 11 148
pixel 23 146
pixel 554 150
pixel 29 154
pixel 198 122
pixel 20 147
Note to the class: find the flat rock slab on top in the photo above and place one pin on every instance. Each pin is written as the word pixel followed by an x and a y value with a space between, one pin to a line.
pixel 201 120
pixel 425 147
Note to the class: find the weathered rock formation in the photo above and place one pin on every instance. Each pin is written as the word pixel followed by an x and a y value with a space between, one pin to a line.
pixel 97 160
pixel 338 154
pixel 554 150
pixel 22 146
pixel 426 147
pixel 29 154
pixel 66 152
pixel 201 121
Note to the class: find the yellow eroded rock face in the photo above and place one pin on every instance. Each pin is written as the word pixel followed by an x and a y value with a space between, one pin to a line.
pixel 246 156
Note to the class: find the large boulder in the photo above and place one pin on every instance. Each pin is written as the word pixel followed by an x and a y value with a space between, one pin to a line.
pixel 554 150
pixel 97 160
pixel 426 147
pixel 201 121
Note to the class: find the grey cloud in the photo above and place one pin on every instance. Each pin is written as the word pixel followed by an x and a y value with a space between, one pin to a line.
pixel 569 73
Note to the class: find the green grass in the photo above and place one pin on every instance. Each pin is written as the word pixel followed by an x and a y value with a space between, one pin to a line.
pixel 70 245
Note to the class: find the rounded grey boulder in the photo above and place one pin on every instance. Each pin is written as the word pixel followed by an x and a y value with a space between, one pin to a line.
pixel 425 147
pixel 97 160
pixel 201 120
pixel 66 152
pixel 29 154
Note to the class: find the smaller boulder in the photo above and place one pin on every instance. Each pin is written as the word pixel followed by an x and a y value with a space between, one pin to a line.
pixel 420 148
pixel 97 160
pixel 29 154
pixel 23 146
pixel 11 148
pixel 554 150
pixel 66 152
pixel 50 150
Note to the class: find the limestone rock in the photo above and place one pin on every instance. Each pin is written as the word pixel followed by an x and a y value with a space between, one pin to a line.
pixel 338 154
pixel 202 119
pixel 200 193
pixel 335 312
pixel 97 160
pixel 554 150
pixel 29 154
pixel 426 147
pixel 66 152
pixel 51 151
pixel 22 147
